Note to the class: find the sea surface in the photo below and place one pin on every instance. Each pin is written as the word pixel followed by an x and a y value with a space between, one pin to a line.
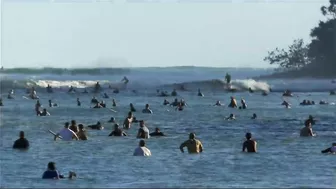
pixel 283 160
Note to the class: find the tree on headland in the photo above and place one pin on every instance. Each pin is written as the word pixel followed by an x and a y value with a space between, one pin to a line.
pixel 320 53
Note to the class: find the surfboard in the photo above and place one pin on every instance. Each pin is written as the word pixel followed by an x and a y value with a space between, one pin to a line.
pixel 113 110
pixel 50 131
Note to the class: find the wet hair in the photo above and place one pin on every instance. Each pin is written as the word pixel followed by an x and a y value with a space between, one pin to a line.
pixel 248 136
pixel 192 136
pixel 51 166
pixel 157 129
pixel 66 124
pixel 147 105
pixel 73 122
pixel 21 134
pixel 116 125
pixel 81 126
pixel 142 143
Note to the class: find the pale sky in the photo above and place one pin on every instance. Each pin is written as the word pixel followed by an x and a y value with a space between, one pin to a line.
pixel 120 33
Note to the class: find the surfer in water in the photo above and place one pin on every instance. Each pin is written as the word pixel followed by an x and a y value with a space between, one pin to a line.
pixel 97 87
pixel 52 104
pixel 254 116
pixel 73 126
pixel 218 103
pixel 244 106
pixel 143 131
pixel 125 80
pixel 81 132
pixel 114 104
pixel 193 145
pixel 142 150
pixel 52 173
pixel 105 96
pixel 228 78
pixel 33 94
pixel 157 132
pixel 37 107
pixel 44 113
pixel 78 102
pixel 66 133
pixel 200 93
pixel 331 149
pixel 22 142
pixel 165 102
pixel 147 110
pixel 71 90
pixel 233 103
pixel 174 93
pixel 311 120
pixel 249 145
pixel 11 94
pixel 307 130
pixel 132 109
pixel 175 103
pixel 97 126
pixel 286 104
pixel 94 100
pixel 128 121
pixel 117 131
pixel 231 117
pixel 49 89
pixel 112 120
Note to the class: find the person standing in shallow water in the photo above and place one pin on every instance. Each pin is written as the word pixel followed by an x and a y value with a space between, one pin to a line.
pixel 249 145
pixel 193 145
pixel 142 150
pixel 52 173
pixel 22 142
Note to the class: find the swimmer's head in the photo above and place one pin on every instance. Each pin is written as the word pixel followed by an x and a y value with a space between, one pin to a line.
pixel 334 144
pixel 308 123
pixel 116 126
pixel 147 106
pixel 49 101
pixel 73 122
pixel 231 115
pixel 142 123
pixel 248 136
pixel 52 166
pixel 98 123
pixel 131 104
pixel 21 134
pixel 130 114
pixel 112 119
pixel 142 143
pixel 240 107
pixel 192 136
pixel 80 126
pixel 66 125
pixel 157 129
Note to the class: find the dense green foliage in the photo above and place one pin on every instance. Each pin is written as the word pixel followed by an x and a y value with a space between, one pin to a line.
pixel 320 53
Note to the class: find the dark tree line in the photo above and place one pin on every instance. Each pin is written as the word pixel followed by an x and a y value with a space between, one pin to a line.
pixel 321 51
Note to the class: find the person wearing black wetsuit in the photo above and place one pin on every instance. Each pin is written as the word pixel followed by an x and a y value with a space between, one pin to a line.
pixel 157 132
pixel 332 149
pixel 22 142
pixel 117 131
pixel 78 102
pixel 249 145
pixel 52 173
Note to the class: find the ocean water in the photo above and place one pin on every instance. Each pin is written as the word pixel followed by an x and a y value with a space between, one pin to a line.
pixel 283 160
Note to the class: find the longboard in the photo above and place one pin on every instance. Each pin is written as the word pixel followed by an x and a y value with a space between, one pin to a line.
pixel 50 131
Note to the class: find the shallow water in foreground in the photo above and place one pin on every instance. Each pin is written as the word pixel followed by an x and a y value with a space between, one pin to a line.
pixel 283 159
